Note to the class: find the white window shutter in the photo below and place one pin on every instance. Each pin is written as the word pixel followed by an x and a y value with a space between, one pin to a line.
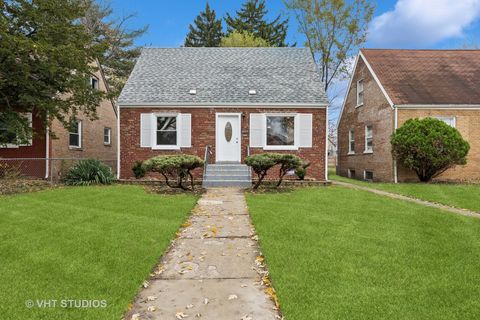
pixel 305 130
pixel 146 130
pixel 30 121
pixel 257 130
pixel 186 130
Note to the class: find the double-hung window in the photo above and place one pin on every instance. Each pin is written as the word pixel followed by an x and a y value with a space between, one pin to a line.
pixel 75 135
pixel 351 142
pixel 166 131
pixel 280 131
pixel 10 138
pixel 360 93
pixel 20 138
pixel 451 121
pixel 107 136
pixel 368 139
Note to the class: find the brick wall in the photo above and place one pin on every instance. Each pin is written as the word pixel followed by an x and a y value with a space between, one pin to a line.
pixel 36 150
pixel 468 123
pixel 92 134
pixel 376 111
pixel 203 134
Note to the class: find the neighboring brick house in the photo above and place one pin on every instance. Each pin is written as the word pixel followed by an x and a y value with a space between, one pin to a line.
pixel 387 88
pixel 91 139
pixel 235 100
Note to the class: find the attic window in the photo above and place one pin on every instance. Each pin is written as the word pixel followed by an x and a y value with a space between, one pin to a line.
pixel 252 92
pixel 193 91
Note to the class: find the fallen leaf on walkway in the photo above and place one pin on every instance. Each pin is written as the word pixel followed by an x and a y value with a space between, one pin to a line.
pixel 246 317
pixel 232 297
pixel 243 285
pixel 151 309
pixel 151 298
pixel 255 237
pixel 205 301
pixel 198 315
pixel 190 306
pixel 136 316
pixel 145 284
pixel 181 315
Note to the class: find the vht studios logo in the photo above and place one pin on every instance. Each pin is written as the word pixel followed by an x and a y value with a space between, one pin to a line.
pixel 65 303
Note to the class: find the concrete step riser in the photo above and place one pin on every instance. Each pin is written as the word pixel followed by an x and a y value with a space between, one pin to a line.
pixel 224 173
pixel 243 184
pixel 223 178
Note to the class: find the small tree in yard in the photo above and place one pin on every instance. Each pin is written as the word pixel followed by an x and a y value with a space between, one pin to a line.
pixel 260 164
pixel 429 147
pixel 175 167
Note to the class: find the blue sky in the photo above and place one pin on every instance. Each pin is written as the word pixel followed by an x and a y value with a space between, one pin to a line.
pixel 397 23
pixel 429 24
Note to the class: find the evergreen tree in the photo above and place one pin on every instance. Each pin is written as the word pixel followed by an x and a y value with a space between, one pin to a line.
pixel 45 61
pixel 206 31
pixel 251 18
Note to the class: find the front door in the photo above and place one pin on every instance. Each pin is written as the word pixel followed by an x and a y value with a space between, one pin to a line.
pixel 228 142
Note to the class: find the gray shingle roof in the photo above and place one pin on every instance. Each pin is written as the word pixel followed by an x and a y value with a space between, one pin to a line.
pixel 224 76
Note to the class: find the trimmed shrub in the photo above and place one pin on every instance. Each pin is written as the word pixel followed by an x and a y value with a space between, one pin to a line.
pixel 261 163
pixel 301 171
pixel 138 170
pixel 88 172
pixel 287 163
pixel 175 167
pixel 429 147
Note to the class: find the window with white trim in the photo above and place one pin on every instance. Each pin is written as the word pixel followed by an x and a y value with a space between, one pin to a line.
pixel 280 130
pixel 368 139
pixel 360 93
pixel 451 121
pixel 351 173
pixel 15 139
pixel 107 136
pixel 351 142
pixel 75 135
pixel 166 131
pixel 10 138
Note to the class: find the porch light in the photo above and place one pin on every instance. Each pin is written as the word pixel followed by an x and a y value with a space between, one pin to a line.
pixel 252 92
pixel 193 91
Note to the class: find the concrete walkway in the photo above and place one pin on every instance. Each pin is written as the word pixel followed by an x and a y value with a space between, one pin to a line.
pixel 213 270
pixel 463 212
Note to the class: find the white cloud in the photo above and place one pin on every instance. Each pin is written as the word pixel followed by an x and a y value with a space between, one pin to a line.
pixel 416 23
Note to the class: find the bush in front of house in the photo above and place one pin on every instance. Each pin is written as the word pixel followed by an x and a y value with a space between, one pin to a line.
pixel 429 147
pixel 138 170
pixel 301 171
pixel 176 169
pixel 287 162
pixel 89 172
pixel 262 163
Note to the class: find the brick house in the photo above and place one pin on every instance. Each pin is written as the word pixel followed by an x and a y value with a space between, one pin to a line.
pixel 236 101
pixel 90 139
pixel 387 88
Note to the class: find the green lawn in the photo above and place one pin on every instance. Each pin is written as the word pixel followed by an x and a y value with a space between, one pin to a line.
pixel 339 253
pixel 466 196
pixel 93 243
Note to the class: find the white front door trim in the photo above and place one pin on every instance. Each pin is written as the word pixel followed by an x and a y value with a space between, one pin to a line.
pixel 217 132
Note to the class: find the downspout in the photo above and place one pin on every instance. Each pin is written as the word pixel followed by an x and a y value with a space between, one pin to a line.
pixel 47 152
pixel 118 142
pixel 395 170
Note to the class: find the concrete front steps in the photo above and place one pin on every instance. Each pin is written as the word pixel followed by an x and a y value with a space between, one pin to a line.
pixel 227 175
